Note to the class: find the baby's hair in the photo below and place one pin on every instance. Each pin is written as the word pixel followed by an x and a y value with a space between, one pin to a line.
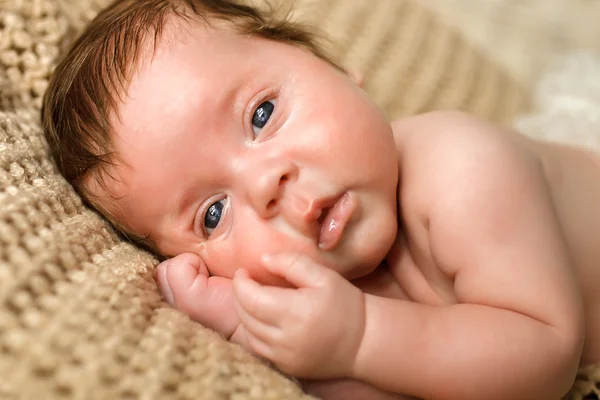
pixel 87 85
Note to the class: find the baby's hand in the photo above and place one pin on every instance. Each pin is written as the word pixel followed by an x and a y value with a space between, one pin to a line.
pixel 312 331
pixel 186 285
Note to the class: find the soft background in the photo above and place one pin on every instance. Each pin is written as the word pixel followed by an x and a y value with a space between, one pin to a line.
pixel 80 315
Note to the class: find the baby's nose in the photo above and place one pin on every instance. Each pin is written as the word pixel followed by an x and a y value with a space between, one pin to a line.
pixel 267 192
pixel 266 184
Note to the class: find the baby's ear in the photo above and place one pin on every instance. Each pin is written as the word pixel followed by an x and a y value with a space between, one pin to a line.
pixel 357 77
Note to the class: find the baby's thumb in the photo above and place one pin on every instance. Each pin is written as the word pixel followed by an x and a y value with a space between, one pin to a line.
pixel 177 273
pixel 186 285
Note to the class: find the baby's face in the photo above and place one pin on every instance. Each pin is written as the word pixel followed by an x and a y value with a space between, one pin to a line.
pixel 231 147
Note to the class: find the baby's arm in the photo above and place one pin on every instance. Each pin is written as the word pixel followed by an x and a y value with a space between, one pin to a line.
pixel 185 284
pixel 517 330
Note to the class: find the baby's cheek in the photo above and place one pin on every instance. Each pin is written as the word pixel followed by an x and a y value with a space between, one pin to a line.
pixel 225 257
pixel 251 253
pixel 219 262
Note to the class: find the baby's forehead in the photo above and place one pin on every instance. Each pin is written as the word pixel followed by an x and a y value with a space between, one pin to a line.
pixel 178 40
pixel 179 30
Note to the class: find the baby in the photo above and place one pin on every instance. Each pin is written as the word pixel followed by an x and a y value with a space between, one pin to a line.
pixel 439 256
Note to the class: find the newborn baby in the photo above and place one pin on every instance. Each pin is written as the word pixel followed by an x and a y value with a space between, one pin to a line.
pixel 438 256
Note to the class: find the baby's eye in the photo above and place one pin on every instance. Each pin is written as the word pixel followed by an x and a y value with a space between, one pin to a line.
pixel 261 116
pixel 213 216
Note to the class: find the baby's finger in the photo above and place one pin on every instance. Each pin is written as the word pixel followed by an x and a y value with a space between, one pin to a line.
pixel 259 347
pixel 266 303
pixel 261 330
pixel 298 269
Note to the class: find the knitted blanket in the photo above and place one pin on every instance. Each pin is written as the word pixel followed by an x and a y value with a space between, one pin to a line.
pixel 80 313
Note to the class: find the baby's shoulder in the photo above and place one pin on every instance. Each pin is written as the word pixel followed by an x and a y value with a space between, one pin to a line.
pixel 447 157
pixel 452 133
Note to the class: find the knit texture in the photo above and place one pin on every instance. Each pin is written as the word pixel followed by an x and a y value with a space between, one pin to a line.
pixel 411 61
pixel 80 313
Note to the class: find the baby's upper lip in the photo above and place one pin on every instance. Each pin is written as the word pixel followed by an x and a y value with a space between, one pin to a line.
pixel 307 215
pixel 318 208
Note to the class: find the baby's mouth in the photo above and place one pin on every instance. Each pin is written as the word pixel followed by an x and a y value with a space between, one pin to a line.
pixel 324 213
pixel 333 221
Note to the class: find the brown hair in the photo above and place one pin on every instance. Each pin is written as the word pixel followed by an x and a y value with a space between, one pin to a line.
pixel 88 83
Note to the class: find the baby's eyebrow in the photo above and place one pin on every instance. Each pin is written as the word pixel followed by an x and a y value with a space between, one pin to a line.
pixel 182 213
pixel 146 242
pixel 140 239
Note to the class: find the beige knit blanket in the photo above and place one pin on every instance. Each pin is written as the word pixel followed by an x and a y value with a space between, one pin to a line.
pixel 80 314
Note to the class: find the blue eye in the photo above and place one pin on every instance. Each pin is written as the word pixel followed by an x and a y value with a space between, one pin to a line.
pixel 261 116
pixel 213 216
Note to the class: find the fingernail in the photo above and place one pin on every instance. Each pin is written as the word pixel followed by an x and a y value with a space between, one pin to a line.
pixel 241 272
pixel 163 284
pixel 267 258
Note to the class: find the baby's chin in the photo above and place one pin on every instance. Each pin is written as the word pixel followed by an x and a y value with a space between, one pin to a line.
pixel 358 272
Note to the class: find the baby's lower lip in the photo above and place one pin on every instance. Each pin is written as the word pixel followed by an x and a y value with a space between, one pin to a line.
pixel 335 221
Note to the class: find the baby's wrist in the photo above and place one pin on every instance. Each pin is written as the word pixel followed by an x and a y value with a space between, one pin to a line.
pixel 356 359
pixel 362 355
